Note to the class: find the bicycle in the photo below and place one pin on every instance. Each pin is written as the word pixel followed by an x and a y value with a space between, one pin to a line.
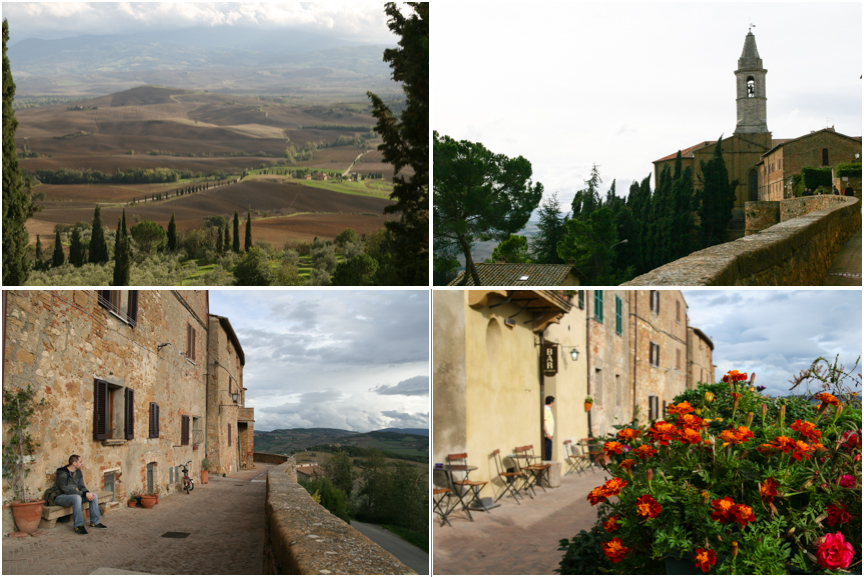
pixel 188 483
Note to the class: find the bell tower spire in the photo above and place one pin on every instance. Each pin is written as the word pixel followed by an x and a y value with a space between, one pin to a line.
pixel 750 84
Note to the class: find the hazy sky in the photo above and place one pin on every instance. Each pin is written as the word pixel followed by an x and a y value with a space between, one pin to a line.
pixel 364 22
pixel 777 333
pixel 567 85
pixel 354 360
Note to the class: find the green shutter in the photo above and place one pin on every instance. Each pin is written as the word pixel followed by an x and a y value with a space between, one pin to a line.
pixel 619 328
pixel 598 306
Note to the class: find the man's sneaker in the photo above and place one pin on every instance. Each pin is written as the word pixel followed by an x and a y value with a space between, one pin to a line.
pixel 98 526
pixel 81 530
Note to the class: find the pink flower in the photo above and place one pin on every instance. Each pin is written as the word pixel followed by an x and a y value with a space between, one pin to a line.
pixel 834 552
pixel 847 481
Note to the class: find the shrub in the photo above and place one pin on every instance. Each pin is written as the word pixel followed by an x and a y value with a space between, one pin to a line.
pixel 319 277
pixel 583 555
pixel 332 498
pixel 253 269
pixel 198 241
pixel 324 257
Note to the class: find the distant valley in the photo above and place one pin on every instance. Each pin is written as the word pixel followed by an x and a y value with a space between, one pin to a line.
pixel 399 442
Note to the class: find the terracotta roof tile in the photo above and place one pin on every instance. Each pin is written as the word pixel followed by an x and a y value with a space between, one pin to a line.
pixel 509 274
pixel 687 152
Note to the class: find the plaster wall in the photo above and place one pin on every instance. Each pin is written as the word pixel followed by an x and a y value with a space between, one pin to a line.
pixel 60 341
pixel 449 400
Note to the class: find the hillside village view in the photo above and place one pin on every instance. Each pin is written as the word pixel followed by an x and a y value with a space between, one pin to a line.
pixel 202 425
pixel 218 154
pixel 495 223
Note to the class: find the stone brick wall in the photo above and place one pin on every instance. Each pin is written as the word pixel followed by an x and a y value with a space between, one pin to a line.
pixel 271 458
pixel 765 214
pixel 609 375
pixel 304 538
pixel 223 432
pixel 60 341
pixel 700 362
pixel 795 252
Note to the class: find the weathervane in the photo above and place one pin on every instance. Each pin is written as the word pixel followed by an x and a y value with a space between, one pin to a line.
pixel 752 26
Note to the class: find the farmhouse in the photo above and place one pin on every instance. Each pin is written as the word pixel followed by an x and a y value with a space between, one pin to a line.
pixel 137 384
pixel 762 165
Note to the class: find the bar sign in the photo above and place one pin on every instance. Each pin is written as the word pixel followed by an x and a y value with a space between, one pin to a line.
pixel 550 359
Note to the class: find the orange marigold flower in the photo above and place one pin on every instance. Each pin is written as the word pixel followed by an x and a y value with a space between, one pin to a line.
pixel 612 524
pixel 765 449
pixel 705 558
pixel 783 443
pixel 663 432
pixel 615 550
pixel 645 451
pixel 626 464
pixel 742 514
pixel 613 447
pixel 737 396
pixel 802 449
pixel 647 507
pixel 734 376
pixel 736 436
pixel 680 409
pixel 614 486
pixel 828 399
pixel 628 434
pixel 817 447
pixel 768 489
pixel 690 421
pixel 807 429
pixel 721 509
pixel 690 436
pixel 598 495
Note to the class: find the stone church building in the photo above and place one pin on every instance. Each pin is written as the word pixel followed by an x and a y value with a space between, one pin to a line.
pixel 763 165
pixel 137 383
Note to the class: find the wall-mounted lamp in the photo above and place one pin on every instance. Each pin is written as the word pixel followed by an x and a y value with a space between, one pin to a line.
pixel 235 397
pixel 574 354
pixel 160 347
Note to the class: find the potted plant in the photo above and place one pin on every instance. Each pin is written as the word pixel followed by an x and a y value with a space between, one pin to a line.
pixel 205 470
pixel 148 501
pixel 18 408
pixel 719 489
pixel 134 500
pixel 589 401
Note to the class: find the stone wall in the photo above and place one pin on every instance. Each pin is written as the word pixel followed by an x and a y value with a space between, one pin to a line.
pixel 609 374
pixel 302 538
pixel 270 458
pixel 795 252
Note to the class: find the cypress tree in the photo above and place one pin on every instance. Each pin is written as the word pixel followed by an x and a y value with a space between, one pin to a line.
pixel 248 240
pixel 122 254
pixel 59 258
pixel 226 239
pixel 172 234
pixel 98 246
pixel 17 204
pixel 219 242
pixel 236 246
pixel 76 249
pixel 38 250
pixel 717 197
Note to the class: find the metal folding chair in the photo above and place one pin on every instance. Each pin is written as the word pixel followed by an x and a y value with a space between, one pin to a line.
pixel 459 463
pixel 536 470
pixel 576 461
pixel 438 496
pixel 585 446
pixel 509 477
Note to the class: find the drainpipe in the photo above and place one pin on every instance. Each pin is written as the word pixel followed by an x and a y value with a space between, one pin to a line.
pixel 588 355
pixel 635 345
pixel 542 391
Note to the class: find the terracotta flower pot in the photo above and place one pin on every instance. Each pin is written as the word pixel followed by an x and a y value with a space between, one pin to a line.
pixel 27 515
pixel 132 503
pixel 148 501
pixel 205 476
pixel 157 498
pixel 588 406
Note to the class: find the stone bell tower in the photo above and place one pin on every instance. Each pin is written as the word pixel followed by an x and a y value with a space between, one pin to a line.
pixel 750 84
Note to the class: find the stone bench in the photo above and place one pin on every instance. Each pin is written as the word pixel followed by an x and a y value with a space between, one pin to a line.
pixel 50 514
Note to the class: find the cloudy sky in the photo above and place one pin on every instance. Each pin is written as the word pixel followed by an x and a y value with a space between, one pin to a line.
pixel 353 360
pixel 621 85
pixel 363 22
pixel 778 333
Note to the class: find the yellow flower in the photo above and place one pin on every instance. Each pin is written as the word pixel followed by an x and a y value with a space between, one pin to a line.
pixel 709 397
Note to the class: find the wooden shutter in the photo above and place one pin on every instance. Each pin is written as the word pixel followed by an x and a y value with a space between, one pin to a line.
pixel 229 434
pixel 189 340
pixel 184 430
pixel 133 308
pixel 193 344
pixel 154 421
pixel 130 414
pixel 100 411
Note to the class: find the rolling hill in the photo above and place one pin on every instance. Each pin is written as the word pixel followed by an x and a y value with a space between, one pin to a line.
pixel 288 441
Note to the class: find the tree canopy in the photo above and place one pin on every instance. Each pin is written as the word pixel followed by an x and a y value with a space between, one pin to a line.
pixel 479 195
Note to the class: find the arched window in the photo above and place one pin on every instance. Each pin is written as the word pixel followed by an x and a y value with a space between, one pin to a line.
pixel 753 185
pixel 751 87
pixel 824 157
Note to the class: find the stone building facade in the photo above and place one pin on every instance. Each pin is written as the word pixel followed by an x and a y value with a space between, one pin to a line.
pixel 761 164
pixel 125 374
pixel 609 374
pixel 700 367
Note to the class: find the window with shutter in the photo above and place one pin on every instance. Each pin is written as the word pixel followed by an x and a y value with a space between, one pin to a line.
pixel 100 412
pixel 154 421
pixel 229 434
pixel 130 414
pixel 598 306
pixel 122 303
pixel 619 320
pixel 184 430
pixel 193 344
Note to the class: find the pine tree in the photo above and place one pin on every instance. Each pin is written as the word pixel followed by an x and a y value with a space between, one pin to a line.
pixel 236 245
pixel 551 230
pixel 717 196
pixel 247 244
pixel 17 201
pixel 172 234
pixel 76 249
pixel 58 258
pixel 587 200
pixel 98 246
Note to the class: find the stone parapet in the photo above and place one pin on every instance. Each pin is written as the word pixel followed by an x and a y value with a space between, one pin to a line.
pixel 270 458
pixel 304 538
pixel 796 252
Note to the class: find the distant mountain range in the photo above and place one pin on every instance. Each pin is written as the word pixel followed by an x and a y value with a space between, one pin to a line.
pixel 399 441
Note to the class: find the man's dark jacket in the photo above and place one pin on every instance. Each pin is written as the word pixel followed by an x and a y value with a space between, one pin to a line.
pixel 69 483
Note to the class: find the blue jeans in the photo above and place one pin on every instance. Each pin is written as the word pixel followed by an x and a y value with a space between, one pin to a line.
pixel 74 501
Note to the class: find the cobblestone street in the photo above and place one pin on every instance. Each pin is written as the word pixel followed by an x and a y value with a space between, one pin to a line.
pixel 224 519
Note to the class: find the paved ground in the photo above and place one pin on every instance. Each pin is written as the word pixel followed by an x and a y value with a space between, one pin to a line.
pixel 516 539
pixel 846 267
pixel 414 557
pixel 224 519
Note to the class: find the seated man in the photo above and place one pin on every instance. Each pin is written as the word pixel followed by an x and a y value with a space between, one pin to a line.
pixel 73 492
